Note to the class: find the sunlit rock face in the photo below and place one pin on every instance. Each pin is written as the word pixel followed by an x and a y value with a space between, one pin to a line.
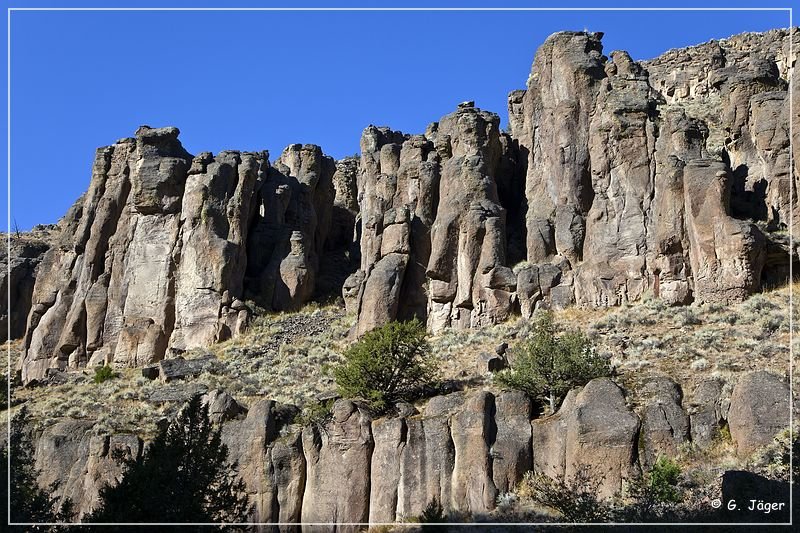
pixel 617 179
pixel 153 260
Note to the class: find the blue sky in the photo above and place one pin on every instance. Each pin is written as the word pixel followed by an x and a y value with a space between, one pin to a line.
pixel 262 80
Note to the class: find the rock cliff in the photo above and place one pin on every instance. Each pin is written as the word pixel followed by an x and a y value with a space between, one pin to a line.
pixel 462 449
pixel 616 179
pixel 160 254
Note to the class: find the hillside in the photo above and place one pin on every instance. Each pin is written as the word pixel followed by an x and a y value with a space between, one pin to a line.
pixel 647 204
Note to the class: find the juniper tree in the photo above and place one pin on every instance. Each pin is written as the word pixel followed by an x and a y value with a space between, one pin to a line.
pixel 29 503
pixel 183 476
pixel 388 364
pixel 549 364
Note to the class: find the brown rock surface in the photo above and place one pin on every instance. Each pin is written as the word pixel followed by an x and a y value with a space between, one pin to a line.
pixel 759 410
pixel 151 261
pixel 81 463
pixel 593 432
pixel 18 278
pixel 622 195
pixel 706 412
pixel 665 425
pixel 667 177
pixel 270 464
pixel 338 470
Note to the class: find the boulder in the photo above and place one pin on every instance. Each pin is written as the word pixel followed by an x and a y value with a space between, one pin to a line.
pixel 593 434
pixel 180 368
pixel 340 451
pixel 490 363
pixel 760 409
pixel 706 412
pixel 665 425
pixel 221 406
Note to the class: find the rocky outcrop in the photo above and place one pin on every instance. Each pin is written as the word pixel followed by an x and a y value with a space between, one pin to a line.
pixel 511 452
pixel 294 216
pixel 81 463
pixel 462 449
pixel 109 283
pixel 17 281
pixel 665 425
pixel 705 411
pixel 339 452
pixel 433 229
pixel 623 197
pixel 738 86
pixel 152 261
pixel 398 186
pixel 470 286
pixel 272 465
pixel 623 179
pixel 760 409
pixel 593 433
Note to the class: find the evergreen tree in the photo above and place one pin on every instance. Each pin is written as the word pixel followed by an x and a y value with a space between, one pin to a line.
pixel 29 502
pixel 388 364
pixel 548 364
pixel 183 476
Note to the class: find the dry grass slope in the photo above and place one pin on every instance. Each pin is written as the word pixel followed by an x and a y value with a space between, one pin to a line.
pixel 288 357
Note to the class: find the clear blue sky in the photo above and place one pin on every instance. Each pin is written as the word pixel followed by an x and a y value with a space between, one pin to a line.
pixel 262 80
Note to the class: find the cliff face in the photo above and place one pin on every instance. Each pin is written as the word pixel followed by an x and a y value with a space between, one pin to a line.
pixel 623 195
pixel 618 179
pixel 463 449
pixel 159 255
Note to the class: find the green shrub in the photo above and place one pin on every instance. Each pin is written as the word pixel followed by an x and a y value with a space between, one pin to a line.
pixel 649 498
pixel 663 480
pixel 653 496
pixel 103 373
pixel 549 365
pixel 576 499
pixel 388 364
pixel 315 414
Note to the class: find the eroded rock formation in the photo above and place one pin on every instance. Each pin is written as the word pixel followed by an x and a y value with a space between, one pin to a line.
pixel 463 449
pixel 618 179
pixel 17 280
pixel 152 261
pixel 433 241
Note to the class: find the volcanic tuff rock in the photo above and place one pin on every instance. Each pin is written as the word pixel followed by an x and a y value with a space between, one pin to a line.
pixel 760 406
pixel 665 425
pixel 433 230
pixel 81 463
pixel 17 281
pixel 289 234
pixel 463 448
pixel 153 259
pixel 622 195
pixel 593 433
pixel 618 179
